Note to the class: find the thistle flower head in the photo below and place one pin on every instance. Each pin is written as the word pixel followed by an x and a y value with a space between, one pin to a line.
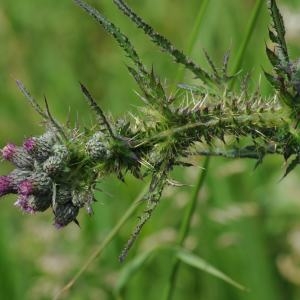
pixel 64 214
pixel 8 151
pixel 5 185
pixel 40 147
pixel 18 156
pixel 25 188
pixel 29 144
pixel 97 147
pixel 23 203
pixel 46 175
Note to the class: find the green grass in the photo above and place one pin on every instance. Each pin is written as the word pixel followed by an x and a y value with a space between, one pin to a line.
pixel 245 222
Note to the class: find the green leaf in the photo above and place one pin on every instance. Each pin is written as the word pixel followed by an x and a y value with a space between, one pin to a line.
pixel 279 28
pixel 164 43
pixel 102 121
pixel 121 38
pixel 158 182
pixel 292 165
pixel 272 80
pixel 273 58
pixel 199 263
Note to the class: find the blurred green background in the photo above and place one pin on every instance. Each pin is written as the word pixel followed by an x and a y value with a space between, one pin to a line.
pixel 247 224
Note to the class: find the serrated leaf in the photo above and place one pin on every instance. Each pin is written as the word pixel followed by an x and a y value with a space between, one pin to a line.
pixel 279 28
pixel 164 43
pixel 272 80
pixel 45 114
pixel 212 65
pixel 201 264
pixel 113 30
pixel 273 37
pixel 273 58
pixel 102 121
pixel 158 182
pixel 293 164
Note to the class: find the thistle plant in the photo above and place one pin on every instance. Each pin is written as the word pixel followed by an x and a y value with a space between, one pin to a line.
pixel 60 169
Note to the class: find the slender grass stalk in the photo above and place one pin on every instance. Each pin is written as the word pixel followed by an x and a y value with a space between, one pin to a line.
pixel 249 32
pixel 192 39
pixel 98 251
pixel 186 222
pixel 185 227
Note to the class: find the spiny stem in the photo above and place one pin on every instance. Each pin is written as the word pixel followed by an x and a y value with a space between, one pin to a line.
pixel 185 225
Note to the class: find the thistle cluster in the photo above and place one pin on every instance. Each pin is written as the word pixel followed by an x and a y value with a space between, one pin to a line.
pixel 61 168
pixel 38 179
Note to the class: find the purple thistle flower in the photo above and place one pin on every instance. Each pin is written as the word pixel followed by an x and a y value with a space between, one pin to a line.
pixel 16 177
pixel 29 144
pixel 40 148
pixel 25 188
pixel 36 183
pixel 23 203
pixel 9 151
pixel 18 156
pixel 5 185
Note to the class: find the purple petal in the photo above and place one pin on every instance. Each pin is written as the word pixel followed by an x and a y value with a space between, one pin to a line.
pixel 29 144
pixel 5 185
pixel 25 187
pixel 23 204
pixel 8 151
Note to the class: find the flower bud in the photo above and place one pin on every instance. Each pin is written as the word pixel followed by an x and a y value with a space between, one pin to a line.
pixel 9 183
pixel 18 156
pixel 63 195
pixel 40 148
pixel 57 161
pixel 36 183
pixel 97 147
pixel 65 214
pixel 40 202
pixel 82 198
pixel 5 185
pixel 23 203
pixel 18 175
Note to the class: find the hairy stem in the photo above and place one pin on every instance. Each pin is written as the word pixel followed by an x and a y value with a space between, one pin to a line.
pixel 185 225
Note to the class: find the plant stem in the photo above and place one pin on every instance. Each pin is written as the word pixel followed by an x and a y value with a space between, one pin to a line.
pixel 185 225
